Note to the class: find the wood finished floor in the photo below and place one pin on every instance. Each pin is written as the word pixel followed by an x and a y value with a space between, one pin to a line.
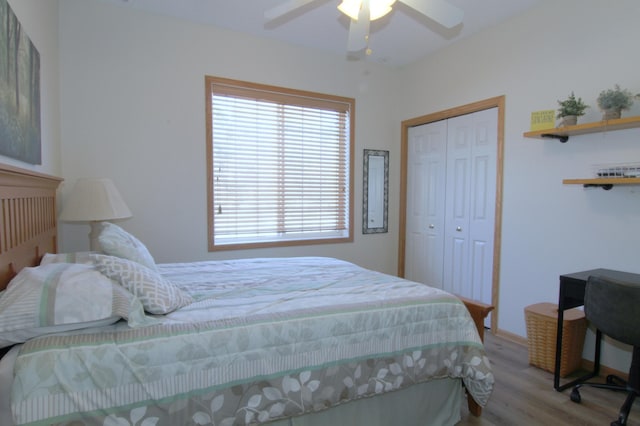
pixel 523 395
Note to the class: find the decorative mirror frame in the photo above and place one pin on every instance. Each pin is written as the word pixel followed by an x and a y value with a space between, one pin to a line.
pixel 375 192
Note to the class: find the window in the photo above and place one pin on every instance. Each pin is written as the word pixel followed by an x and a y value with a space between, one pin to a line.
pixel 279 166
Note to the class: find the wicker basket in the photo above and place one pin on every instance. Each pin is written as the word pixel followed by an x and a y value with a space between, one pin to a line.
pixel 542 323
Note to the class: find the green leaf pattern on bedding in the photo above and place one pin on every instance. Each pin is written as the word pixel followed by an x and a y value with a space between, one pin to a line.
pixel 249 363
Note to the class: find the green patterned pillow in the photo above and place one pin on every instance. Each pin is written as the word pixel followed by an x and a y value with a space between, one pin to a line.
pixel 157 294
pixel 115 241
pixel 62 297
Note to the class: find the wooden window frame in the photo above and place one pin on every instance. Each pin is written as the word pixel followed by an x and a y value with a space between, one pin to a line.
pixel 217 85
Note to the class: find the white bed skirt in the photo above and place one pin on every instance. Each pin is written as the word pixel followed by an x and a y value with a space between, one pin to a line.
pixel 434 403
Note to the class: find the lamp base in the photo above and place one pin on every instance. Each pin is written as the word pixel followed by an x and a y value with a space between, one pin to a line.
pixel 96 227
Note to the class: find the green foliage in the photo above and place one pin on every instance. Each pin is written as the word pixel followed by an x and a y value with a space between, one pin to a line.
pixel 571 106
pixel 615 99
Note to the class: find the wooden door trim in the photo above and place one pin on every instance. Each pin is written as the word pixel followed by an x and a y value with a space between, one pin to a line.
pixel 496 102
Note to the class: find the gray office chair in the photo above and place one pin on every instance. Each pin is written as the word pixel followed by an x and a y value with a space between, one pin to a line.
pixel 612 307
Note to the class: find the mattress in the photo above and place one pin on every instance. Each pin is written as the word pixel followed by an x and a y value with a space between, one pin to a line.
pixel 265 339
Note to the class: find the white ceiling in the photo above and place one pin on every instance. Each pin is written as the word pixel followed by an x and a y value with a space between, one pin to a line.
pixel 400 38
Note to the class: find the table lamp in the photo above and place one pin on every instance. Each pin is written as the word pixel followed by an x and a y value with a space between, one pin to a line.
pixel 94 200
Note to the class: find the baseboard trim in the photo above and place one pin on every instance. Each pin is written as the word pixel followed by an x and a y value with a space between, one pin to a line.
pixel 515 338
pixel 604 370
pixel 584 364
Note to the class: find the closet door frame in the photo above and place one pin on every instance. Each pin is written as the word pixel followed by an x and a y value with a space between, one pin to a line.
pixel 499 103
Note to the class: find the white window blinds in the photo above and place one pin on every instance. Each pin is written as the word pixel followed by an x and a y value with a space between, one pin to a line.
pixel 280 169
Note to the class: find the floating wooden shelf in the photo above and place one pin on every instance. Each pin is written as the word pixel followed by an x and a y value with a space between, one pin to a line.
pixel 604 183
pixel 563 133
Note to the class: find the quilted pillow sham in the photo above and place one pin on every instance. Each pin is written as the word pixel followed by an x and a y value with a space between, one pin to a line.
pixel 115 241
pixel 157 294
pixel 62 297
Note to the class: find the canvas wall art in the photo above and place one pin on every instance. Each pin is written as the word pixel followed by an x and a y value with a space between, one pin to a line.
pixel 19 90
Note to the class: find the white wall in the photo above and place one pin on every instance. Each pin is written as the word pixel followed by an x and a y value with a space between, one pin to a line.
pixel 548 228
pixel 40 22
pixel 133 110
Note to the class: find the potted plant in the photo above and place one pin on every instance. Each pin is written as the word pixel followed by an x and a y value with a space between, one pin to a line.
pixel 613 101
pixel 570 109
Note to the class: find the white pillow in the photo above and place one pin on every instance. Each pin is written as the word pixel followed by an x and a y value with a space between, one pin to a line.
pixel 115 241
pixel 61 297
pixel 157 294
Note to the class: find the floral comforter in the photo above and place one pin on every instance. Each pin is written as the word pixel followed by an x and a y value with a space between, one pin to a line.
pixel 265 339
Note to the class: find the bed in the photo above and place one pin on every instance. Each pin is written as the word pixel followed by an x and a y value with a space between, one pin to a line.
pixel 292 341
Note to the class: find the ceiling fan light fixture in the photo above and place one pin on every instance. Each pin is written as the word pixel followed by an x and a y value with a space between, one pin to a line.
pixel 377 8
pixel 351 8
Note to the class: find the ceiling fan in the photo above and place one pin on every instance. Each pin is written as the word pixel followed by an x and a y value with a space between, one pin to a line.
pixel 362 12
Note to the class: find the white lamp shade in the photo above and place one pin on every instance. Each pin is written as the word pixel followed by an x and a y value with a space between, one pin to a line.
pixel 94 199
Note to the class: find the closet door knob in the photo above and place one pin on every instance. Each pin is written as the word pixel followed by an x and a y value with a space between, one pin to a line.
pixel 431 226
pixel 459 229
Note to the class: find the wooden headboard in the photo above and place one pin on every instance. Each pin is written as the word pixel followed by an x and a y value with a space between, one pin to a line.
pixel 28 224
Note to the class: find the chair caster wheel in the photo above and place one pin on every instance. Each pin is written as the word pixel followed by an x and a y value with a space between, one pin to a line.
pixel 575 396
pixel 613 380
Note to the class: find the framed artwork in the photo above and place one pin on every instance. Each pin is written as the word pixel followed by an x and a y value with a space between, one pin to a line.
pixel 375 198
pixel 19 91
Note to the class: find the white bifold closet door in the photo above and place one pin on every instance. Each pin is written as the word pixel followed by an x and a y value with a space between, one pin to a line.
pixel 426 184
pixel 451 193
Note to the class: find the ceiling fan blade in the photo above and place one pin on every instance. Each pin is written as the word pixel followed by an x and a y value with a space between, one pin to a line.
pixel 359 30
pixel 284 8
pixel 440 11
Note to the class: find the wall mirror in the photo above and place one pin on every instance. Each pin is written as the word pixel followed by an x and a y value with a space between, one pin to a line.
pixel 375 193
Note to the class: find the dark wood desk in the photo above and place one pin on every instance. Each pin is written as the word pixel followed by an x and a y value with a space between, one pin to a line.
pixel 571 295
